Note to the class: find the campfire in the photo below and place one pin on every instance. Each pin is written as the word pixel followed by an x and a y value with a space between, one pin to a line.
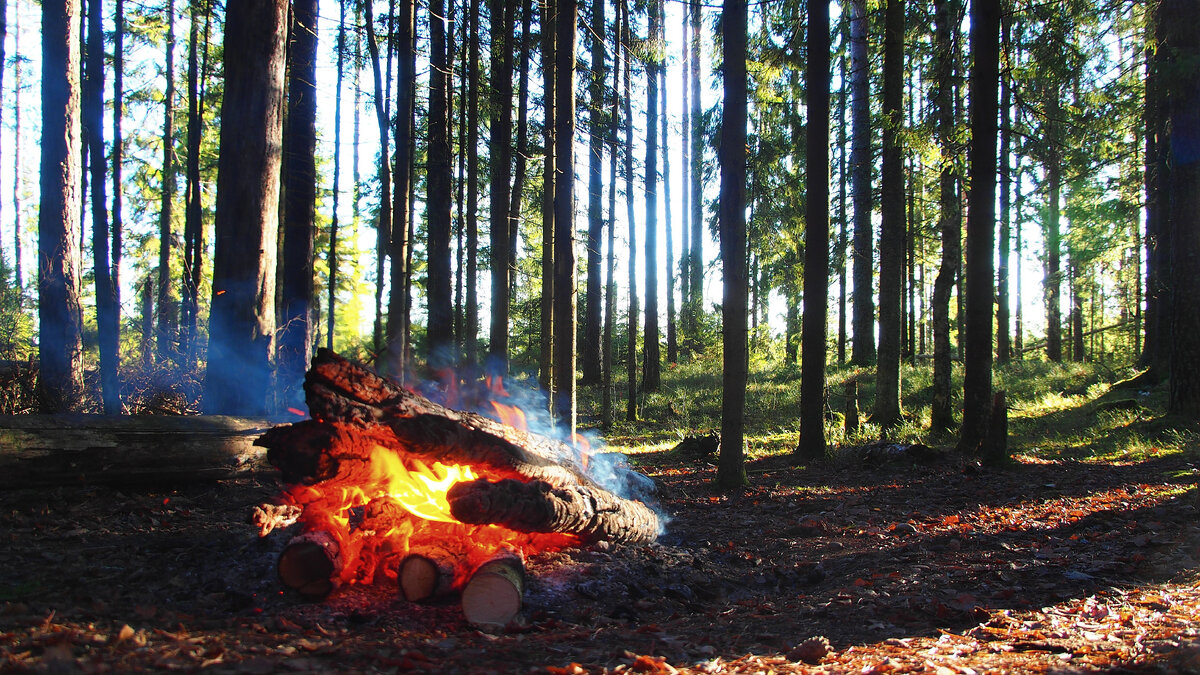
pixel 390 487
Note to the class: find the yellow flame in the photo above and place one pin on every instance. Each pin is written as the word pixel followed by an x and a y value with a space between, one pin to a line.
pixel 421 489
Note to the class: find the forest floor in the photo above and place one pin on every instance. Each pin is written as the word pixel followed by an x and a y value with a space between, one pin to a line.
pixel 930 564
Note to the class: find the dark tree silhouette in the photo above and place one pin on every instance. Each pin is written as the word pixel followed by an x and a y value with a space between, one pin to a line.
pixel 564 221
pixel 60 346
pixel 816 238
pixel 981 228
pixel 862 352
pixel 242 318
pixel 731 472
pixel 892 224
pixel 441 303
pixel 300 200
pixel 590 350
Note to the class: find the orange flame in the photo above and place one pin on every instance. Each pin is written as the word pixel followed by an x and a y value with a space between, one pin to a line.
pixel 511 415
pixel 422 489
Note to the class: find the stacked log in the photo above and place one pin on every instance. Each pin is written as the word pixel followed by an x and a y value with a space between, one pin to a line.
pixel 531 485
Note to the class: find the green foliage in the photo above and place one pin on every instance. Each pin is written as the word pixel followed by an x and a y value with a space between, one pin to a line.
pixel 1076 410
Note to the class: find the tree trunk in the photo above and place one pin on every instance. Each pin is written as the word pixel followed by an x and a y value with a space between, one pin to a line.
pixel 332 261
pixel 1156 350
pixel 400 248
pixel 60 375
pixel 1181 37
pixel 610 285
pixel 522 154
pixel 672 337
pixel 631 410
pixel 564 218
pixel 471 339
pixel 696 273
pixel 108 311
pixel 163 332
pixel 501 175
pixel 590 355
pixel 892 224
pixel 816 238
pixel 947 19
pixel 651 368
pixel 18 277
pixel 242 315
pixel 685 266
pixel 731 472
pixel 1003 328
pixel 981 228
pixel 300 198
pixel 863 351
pixel 440 338
pixel 383 227
pixel 193 228
pixel 843 242
pixel 549 176
pixel 1052 285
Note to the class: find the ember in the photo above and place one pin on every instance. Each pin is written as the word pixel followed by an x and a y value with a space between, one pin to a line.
pixel 392 487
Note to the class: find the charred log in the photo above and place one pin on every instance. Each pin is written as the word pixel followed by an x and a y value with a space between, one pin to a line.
pixel 583 510
pixel 310 564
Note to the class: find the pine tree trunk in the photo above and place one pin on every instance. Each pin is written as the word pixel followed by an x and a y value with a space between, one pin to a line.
pixel 501 175
pixel 440 338
pixel 1052 284
pixel 631 410
pixel 731 472
pixel 163 337
pixel 816 238
pixel 564 220
pixel 1181 37
pixel 981 230
pixel 108 312
pixel 400 247
pixel 242 316
pixel 610 290
pixel 863 258
pixel 193 228
pixel 892 225
pixel 383 230
pixel 590 355
pixel 300 197
pixel 549 176
pixel 334 224
pixel 843 220
pixel 60 376
pixel 696 273
pixel 947 19
pixel 672 337
pixel 522 154
pixel 471 339
pixel 1003 334
pixel 685 267
pixel 651 369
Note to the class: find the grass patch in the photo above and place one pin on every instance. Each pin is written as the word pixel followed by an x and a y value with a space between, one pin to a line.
pixel 1056 411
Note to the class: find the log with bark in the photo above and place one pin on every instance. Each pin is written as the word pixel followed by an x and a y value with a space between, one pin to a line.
pixel 136 451
pixel 533 483
pixel 492 598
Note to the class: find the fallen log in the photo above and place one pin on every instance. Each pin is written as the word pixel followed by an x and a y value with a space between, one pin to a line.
pixel 492 598
pixel 133 451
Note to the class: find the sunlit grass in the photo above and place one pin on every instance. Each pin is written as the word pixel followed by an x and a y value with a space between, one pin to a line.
pixel 1068 411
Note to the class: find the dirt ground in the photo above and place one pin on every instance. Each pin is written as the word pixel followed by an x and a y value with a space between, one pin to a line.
pixel 936 567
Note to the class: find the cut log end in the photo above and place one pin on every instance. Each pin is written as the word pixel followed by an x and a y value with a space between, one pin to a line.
pixel 492 598
pixel 422 577
pixel 309 564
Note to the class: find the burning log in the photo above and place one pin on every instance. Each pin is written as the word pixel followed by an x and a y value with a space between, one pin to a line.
pixel 492 598
pixel 590 512
pixel 395 486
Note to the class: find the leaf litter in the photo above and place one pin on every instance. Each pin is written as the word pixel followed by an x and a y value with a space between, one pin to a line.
pixel 1044 566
